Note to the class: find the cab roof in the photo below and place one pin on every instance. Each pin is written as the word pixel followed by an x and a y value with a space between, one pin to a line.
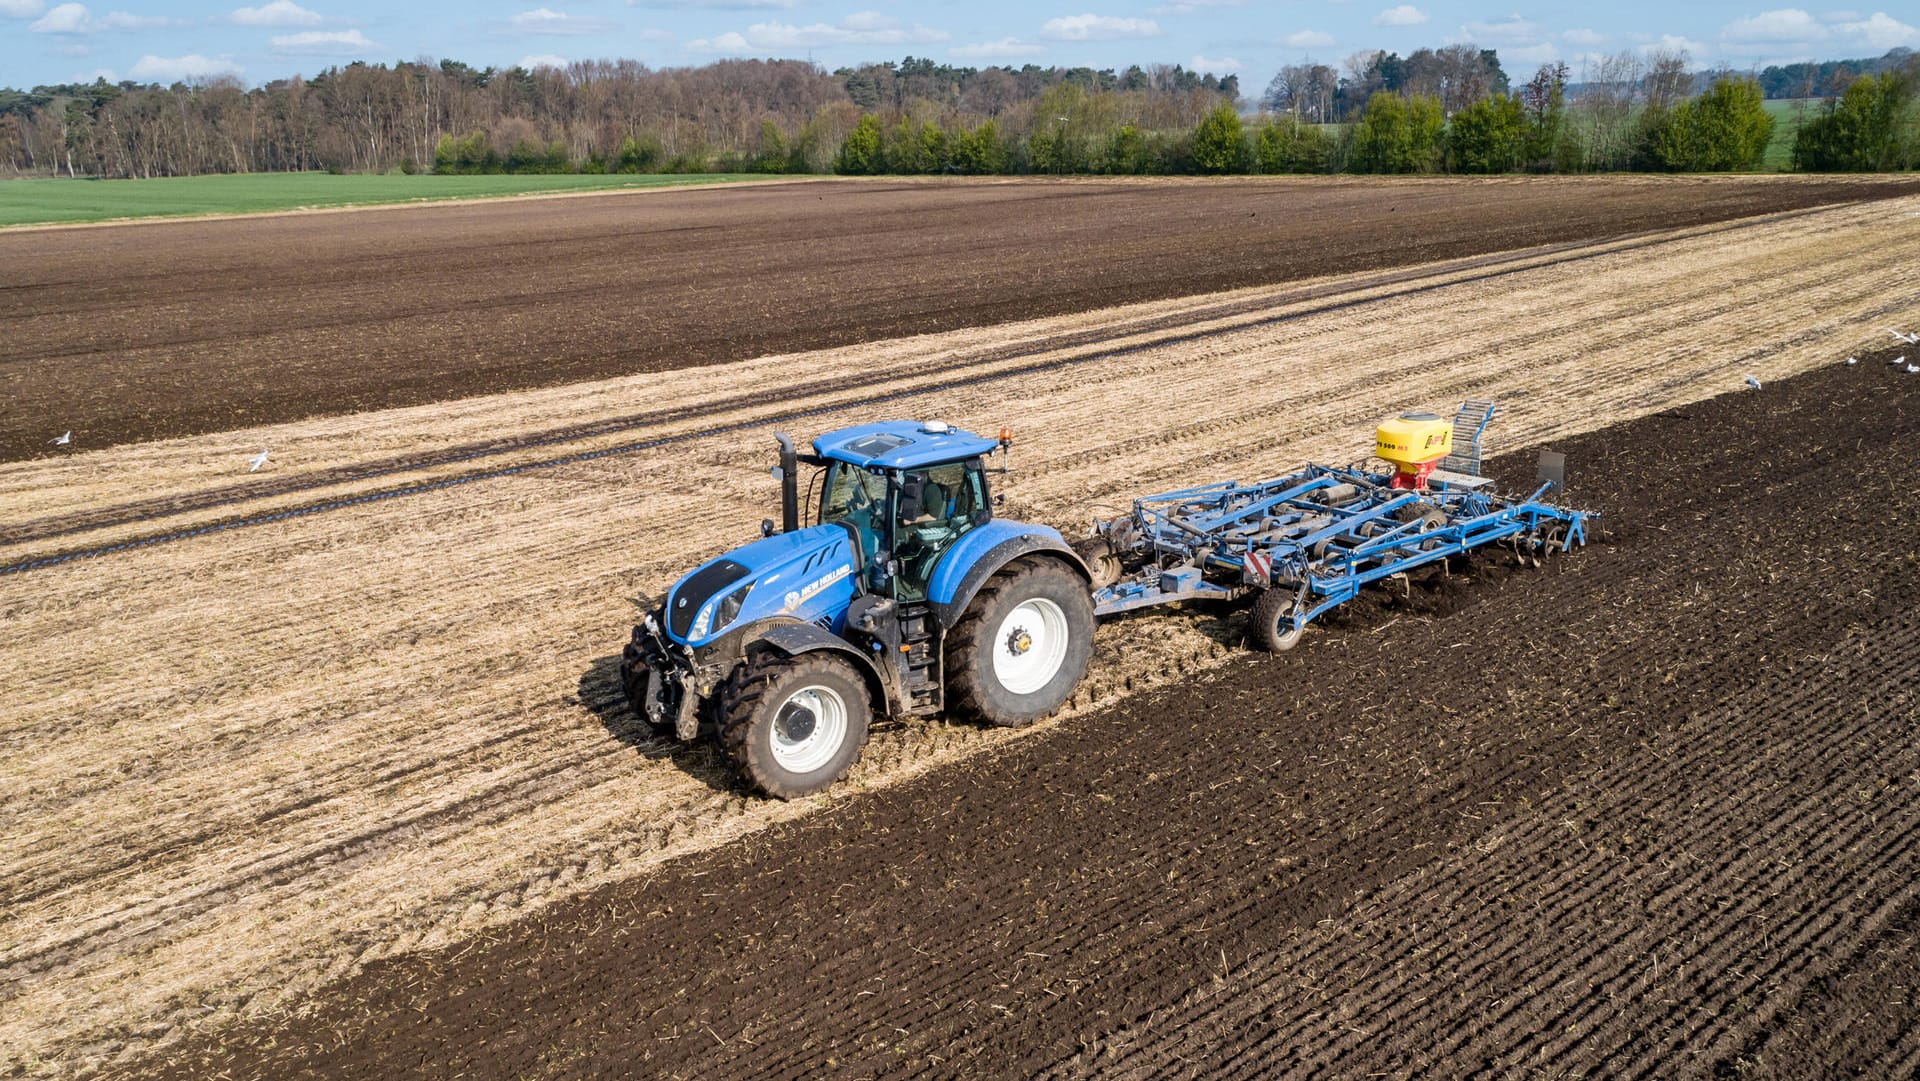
pixel 901 444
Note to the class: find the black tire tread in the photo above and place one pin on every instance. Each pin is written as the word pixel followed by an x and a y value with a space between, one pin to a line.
pixel 739 700
pixel 1267 613
pixel 965 697
pixel 633 678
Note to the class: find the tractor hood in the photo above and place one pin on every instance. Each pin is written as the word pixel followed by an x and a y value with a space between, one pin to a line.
pixel 808 575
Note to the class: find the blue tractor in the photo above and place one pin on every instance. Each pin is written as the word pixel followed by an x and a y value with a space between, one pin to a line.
pixel 901 596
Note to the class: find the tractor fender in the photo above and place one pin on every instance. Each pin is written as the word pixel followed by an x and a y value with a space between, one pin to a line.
pixel 793 639
pixel 953 605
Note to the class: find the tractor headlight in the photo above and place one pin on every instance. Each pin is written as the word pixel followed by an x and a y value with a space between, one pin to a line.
pixel 717 616
pixel 729 607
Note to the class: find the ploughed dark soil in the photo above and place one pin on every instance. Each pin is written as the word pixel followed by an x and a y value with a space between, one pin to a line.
pixel 141 331
pixel 1652 811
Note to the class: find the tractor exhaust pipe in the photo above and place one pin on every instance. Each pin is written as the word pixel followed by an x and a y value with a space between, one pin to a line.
pixel 789 484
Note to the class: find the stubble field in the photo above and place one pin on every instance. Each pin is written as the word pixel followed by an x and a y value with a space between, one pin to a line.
pixel 359 708
pixel 178 328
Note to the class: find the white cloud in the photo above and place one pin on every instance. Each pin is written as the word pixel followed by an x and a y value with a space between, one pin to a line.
pixel 1511 28
pixel 992 49
pixel 1786 24
pixel 21 9
pixel 120 20
pixel 1214 65
pixel 549 21
pixel 65 19
pixel 324 43
pixel 176 69
pixel 1878 31
pixel 277 13
pixel 1098 28
pixel 1307 39
pixel 1583 36
pixel 1404 15
pixel 1674 43
pixel 727 44
pixel 860 28
pixel 76 19
pixel 543 60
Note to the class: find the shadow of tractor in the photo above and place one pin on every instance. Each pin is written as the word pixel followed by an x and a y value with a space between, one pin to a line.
pixel 601 694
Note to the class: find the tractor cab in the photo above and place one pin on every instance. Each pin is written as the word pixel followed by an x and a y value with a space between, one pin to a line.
pixel 903 596
pixel 907 492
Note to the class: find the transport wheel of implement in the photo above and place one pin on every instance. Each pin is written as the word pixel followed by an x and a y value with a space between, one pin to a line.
pixel 792 726
pixel 1273 621
pixel 1022 646
pixel 1100 560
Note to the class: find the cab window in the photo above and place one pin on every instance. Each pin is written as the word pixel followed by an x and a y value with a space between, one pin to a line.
pixel 937 506
pixel 859 499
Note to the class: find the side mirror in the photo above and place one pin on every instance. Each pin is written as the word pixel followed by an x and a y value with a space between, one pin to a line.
pixel 766 527
pixel 999 499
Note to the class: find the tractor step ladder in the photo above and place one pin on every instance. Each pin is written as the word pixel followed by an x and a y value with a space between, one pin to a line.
pixel 917 640
pixel 1468 425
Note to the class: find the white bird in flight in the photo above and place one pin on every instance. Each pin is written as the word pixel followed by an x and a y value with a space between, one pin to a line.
pixel 1752 382
pixel 1899 360
pixel 254 463
pixel 1913 369
pixel 1910 339
pixel 1851 361
pixel 63 440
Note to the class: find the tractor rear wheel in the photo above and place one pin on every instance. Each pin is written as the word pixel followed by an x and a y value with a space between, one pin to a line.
pixel 1273 621
pixel 793 726
pixel 1023 645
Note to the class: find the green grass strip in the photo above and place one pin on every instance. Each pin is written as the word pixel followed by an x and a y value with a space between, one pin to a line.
pixel 61 200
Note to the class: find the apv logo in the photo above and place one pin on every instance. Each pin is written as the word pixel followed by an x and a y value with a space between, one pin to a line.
pixel 796 598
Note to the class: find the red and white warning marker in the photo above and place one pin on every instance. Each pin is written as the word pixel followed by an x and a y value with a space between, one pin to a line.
pixel 1257 568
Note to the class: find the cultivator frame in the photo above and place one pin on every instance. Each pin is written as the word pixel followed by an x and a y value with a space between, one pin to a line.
pixel 1322 533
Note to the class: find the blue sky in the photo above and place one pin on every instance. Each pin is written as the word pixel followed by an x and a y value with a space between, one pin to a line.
pixel 43 41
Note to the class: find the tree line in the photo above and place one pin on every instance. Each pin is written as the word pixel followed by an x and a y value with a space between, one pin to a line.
pixel 1453 109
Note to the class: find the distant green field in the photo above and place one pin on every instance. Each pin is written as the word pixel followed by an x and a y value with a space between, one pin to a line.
pixel 1787 114
pixel 43 201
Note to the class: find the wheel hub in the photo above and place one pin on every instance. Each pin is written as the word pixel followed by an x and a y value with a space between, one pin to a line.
pixel 796 722
pixel 1033 645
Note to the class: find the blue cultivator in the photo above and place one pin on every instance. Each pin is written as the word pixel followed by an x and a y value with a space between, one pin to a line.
pixel 1312 539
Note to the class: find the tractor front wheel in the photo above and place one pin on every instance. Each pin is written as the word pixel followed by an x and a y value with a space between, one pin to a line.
pixel 1022 646
pixel 793 726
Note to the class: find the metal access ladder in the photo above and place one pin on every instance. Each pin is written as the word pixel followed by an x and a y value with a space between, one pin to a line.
pixel 1468 425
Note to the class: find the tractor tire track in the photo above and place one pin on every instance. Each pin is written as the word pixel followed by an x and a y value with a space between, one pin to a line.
pixel 964 371
pixel 1272 819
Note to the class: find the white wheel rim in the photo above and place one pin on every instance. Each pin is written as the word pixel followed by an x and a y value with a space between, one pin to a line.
pixel 805 748
pixel 1030 646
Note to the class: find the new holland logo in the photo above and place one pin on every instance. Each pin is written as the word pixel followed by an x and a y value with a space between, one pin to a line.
pixel 796 598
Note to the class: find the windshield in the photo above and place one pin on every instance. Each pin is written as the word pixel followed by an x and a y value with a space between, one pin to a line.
pixel 858 498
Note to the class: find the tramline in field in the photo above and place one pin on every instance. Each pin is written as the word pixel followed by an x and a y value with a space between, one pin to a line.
pixel 908 597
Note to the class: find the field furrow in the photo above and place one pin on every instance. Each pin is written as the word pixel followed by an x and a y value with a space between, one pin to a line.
pixel 243 765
